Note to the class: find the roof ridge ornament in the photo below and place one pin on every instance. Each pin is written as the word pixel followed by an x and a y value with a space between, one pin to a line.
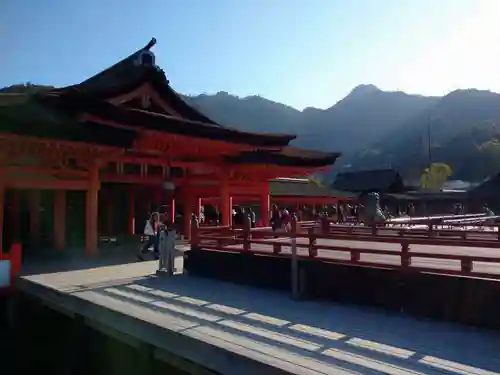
pixel 150 45
pixel 144 56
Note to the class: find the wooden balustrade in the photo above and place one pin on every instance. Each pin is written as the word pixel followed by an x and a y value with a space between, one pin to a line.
pixel 414 253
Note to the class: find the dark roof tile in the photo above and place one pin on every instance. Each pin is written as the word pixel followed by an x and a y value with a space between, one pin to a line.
pixel 288 156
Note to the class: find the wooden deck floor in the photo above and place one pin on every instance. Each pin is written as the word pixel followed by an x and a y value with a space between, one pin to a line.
pixel 235 329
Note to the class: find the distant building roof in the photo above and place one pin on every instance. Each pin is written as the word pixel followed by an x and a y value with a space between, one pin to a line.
pixel 377 180
pixel 304 188
pixel 422 195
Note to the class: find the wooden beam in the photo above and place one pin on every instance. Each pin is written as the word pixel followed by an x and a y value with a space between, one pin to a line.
pixel 27 183
pixel 131 210
pixel 91 212
pixel 34 215
pixel 60 220
pixel 12 169
pixel 2 204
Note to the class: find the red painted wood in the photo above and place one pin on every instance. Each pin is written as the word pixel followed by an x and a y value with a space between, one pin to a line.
pixel 60 219
pixel 131 210
pixel 234 241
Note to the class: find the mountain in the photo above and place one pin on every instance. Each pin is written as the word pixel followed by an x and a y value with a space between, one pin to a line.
pixel 250 113
pixel 363 116
pixel 380 129
pixel 460 127
pixel 374 128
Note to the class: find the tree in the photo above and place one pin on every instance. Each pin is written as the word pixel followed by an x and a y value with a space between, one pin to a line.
pixel 317 180
pixel 435 176
pixel 492 149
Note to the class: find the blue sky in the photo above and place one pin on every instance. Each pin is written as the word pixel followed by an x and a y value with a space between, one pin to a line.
pixel 298 52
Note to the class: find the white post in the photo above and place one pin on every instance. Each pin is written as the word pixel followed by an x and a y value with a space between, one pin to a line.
pixel 170 256
pixel 167 252
pixel 162 242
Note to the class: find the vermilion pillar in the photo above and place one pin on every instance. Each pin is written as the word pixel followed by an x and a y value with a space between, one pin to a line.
pixel 131 210
pixel 15 215
pixel 34 214
pixel 188 210
pixel 158 199
pixel 2 202
pixel 110 213
pixel 171 209
pixel 91 212
pixel 60 219
pixel 265 206
pixel 225 205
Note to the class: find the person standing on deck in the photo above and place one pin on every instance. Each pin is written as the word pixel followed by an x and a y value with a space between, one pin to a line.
pixel 151 230
pixel 275 218
pixel 411 210
pixel 285 219
pixel 252 217
pixel 341 214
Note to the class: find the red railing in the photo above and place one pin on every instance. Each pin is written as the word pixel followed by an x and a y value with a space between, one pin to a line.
pixel 13 257
pixel 410 251
pixel 478 226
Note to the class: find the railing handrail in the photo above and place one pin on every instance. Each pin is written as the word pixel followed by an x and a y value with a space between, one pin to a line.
pixel 244 241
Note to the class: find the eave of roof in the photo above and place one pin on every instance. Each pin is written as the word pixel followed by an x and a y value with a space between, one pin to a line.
pixel 126 76
pixel 28 117
pixel 79 102
pixel 288 156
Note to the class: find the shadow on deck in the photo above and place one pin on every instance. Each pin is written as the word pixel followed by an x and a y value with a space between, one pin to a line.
pixel 352 338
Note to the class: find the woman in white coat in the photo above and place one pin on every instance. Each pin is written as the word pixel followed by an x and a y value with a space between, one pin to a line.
pixel 151 230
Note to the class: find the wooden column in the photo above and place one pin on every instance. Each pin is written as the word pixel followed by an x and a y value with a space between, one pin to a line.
pixel 109 212
pixel 158 198
pixel 171 209
pixel 34 215
pixel 60 219
pixel 2 203
pixel 265 204
pixel 91 212
pixel 15 215
pixel 188 210
pixel 131 210
pixel 226 205
pixel 265 208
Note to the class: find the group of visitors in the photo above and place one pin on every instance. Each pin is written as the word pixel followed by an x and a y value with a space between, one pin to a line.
pixel 280 219
pixel 240 214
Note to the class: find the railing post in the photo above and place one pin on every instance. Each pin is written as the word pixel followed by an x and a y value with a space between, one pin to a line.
pixel 405 255
pixel 313 251
pixel 294 270
pixel 195 232
pixel 431 229
pixel 466 265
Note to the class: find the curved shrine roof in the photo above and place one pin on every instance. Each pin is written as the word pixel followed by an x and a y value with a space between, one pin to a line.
pixel 128 75
pixel 60 109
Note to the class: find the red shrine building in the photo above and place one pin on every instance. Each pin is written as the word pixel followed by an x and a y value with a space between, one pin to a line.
pixel 95 157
